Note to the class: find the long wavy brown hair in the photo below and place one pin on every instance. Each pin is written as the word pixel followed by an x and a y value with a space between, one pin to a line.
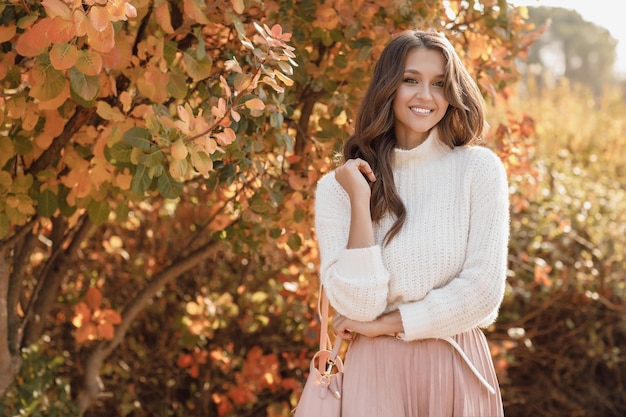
pixel 374 137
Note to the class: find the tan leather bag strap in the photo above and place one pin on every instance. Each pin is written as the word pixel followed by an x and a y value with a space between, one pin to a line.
pixel 325 342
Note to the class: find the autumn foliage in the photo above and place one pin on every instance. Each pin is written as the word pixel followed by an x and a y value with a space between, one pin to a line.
pixel 157 165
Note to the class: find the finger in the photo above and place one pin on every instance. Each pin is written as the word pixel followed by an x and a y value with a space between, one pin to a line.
pixel 366 169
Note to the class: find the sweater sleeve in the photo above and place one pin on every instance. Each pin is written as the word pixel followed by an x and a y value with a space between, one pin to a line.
pixel 473 297
pixel 355 280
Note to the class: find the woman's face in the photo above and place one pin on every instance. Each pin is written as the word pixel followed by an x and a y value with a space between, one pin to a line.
pixel 419 103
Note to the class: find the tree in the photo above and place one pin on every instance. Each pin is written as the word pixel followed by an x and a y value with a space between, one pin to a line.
pixel 572 47
pixel 149 149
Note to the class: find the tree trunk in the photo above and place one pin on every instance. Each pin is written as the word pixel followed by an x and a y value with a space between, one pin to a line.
pixel 10 362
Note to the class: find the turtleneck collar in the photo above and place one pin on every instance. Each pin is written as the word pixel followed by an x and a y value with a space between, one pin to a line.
pixel 432 148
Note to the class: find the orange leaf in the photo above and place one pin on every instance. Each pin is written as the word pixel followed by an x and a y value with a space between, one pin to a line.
pixel 255 104
pixel 101 41
pixel 106 331
pixel 61 30
pixel 34 42
pixel 81 22
pixel 226 137
pixel 82 314
pixel 194 11
pixel 63 56
pixel 110 316
pixel 7 32
pixel 184 361
pixel 93 298
pixel 162 13
pixel 85 333
pixel 99 18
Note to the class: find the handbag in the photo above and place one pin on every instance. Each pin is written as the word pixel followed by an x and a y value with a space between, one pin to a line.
pixel 321 395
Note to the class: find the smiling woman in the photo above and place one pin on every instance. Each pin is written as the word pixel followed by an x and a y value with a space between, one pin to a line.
pixel 413 233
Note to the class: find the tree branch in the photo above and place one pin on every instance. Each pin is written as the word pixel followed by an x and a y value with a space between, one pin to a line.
pixel 48 283
pixel 80 118
pixel 92 386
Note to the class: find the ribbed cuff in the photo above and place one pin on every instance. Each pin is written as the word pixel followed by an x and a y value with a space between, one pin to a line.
pixel 361 263
pixel 416 320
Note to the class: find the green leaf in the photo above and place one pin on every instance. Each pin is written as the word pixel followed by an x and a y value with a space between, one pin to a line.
pixel 84 86
pixel 120 152
pixel 47 203
pixel 6 150
pixel 23 146
pixel 121 212
pixel 50 81
pixel 294 241
pixel 259 206
pixel 141 180
pixel 177 86
pixel 98 211
pixel 151 159
pixel 198 69
pixel 138 137
pixel 22 183
pixel 169 187
pixel 65 209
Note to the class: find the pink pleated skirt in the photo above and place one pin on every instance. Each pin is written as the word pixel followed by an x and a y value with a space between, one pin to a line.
pixel 387 377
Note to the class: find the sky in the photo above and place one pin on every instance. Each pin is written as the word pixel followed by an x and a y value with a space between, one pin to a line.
pixel 601 12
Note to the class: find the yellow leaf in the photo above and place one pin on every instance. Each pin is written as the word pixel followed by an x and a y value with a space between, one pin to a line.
pixel 107 112
pixel 255 104
pixel 238 6
pixel 63 56
pixel 179 150
pixel 202 163
pixel 56 8
pixel 286 80
pixel 89 62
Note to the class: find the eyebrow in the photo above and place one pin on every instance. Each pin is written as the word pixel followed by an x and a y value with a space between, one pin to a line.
pixel 412 71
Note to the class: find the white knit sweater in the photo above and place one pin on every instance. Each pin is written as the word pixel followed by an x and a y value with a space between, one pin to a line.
pixel 446 269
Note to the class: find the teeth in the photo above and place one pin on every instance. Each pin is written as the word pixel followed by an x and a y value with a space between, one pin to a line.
pixel 420 110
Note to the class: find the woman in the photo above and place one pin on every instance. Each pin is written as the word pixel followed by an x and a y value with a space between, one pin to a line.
pixel 413 234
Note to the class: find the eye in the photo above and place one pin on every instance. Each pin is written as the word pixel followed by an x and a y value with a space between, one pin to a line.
pixel 438 83
pixel 410 80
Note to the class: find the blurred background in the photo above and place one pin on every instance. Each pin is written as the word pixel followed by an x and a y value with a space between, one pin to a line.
pixel 158 163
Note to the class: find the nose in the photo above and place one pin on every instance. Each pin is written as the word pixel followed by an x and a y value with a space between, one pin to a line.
pixel 423 91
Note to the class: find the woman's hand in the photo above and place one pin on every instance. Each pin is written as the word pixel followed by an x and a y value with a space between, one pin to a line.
pixel 386 324
pixel 352 177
